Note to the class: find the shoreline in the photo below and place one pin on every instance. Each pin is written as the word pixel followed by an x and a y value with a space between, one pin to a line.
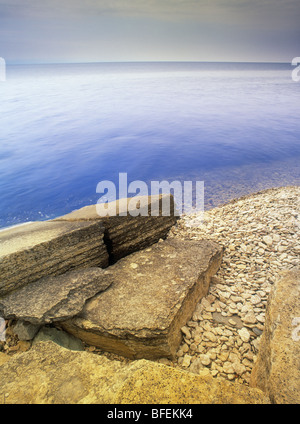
pixel 16 225
pixel 260 235
pixel 256 193
pixel 232 201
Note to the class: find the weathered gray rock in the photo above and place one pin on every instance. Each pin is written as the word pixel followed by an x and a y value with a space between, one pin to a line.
pixel 277 370
pixel 50 374
pixel 154 294
pixel 25 330
pixel 30 252
pixel 128 234
pixel 59 337
pixel 54 298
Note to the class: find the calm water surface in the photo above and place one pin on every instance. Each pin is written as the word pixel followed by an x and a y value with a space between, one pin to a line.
pixel 64 128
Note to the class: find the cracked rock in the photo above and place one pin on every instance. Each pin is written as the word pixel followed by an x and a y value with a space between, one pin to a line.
pixel 54 298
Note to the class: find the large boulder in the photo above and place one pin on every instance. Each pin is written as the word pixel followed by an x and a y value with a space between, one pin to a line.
pixel 50 374
pixel 277 370
pixel 32 251
pixel 154 294
pixel 125 231
pixel 54 298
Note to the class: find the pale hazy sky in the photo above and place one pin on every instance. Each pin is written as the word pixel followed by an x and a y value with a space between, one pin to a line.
pixel 149 30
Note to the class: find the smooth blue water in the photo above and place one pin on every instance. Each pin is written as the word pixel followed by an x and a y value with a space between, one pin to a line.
pixel 64 128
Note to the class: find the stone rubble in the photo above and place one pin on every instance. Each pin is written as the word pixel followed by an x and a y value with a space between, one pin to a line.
pixel 260 234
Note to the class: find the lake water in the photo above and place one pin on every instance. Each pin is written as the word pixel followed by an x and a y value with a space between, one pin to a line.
pixel 66 127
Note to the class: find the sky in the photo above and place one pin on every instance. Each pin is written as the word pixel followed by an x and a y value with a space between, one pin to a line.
pixel 45 31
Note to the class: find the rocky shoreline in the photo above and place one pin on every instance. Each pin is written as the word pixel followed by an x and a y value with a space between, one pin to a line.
pixel 260 234
pixel 260 237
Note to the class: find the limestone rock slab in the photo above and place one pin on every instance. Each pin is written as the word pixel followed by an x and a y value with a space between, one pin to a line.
pixel 30 252
pixel 50 374
pixel 154 293
pixel 277 369
pixel 127 234
pixel 54 298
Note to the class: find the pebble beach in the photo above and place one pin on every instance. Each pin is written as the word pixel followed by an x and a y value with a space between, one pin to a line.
pixel 260 235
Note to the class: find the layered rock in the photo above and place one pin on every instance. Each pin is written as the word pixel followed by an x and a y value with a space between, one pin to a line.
pixel 125 231
pixel 36 250
pixel 50 374
pixel 277 370
pixel 154 294
pixel 52 299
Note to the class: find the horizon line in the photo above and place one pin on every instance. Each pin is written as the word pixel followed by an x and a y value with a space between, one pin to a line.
pixel 12 63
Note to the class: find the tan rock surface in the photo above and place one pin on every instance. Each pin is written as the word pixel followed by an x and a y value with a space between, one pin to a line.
pixel 153 295
pixel 50 374
pixel 54 298
pixel 30 252
pixel 277 370
pixel 3 358
pixel 125 233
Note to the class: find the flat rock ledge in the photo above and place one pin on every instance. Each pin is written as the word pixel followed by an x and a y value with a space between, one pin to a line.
pixel 154 294
pixel 125 232
pixel 42 249
pixel 277 369
pixel 50 374
pixel 54 298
